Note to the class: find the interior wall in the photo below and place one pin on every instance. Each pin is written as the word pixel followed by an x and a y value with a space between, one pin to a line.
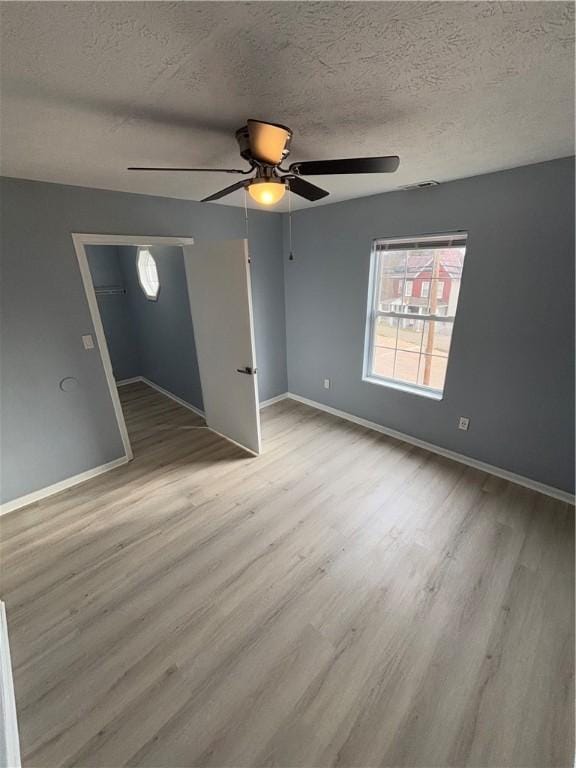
pixel 511 368
pixel 153 339
pixel 115 311
pixel 49 435
pixel 164 327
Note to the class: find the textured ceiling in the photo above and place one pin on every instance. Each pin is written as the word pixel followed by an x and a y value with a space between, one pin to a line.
pixel 456 89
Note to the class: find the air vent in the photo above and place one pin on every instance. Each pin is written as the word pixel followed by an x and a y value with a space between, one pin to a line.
pixel 422 185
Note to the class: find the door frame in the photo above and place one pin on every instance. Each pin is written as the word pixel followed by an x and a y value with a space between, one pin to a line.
pixel 80 241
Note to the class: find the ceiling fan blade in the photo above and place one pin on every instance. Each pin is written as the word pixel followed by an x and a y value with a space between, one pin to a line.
pixel 268 141
pixel 304 188
pixel 351 165
pixel 194 170
pixel 226 191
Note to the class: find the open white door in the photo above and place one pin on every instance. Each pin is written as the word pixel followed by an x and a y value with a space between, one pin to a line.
pixel 218 275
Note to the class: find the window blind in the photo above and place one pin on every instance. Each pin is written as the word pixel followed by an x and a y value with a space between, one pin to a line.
pixel 425 243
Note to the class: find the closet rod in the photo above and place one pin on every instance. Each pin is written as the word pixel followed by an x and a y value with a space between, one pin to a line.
pixel 109 290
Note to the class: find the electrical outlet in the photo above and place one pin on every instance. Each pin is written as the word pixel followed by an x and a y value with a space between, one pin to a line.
pixel 463 423
pixel 88 341
pixel 326 383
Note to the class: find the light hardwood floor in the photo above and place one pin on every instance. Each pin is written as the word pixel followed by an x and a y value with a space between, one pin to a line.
pixel 343 600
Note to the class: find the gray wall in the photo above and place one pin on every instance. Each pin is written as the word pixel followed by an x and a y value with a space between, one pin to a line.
pixel 165 332
pixel 164 327
pixel 511 366
pixel 154 339
pixel 115 311
pixel 48 435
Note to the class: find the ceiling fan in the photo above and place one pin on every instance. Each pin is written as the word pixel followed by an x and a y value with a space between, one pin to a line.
pixel 265 146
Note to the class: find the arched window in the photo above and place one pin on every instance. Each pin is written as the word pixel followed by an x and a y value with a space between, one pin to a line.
pixel 147 274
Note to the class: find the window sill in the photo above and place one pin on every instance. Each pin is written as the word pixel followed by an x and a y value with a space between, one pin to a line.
pixel 411 390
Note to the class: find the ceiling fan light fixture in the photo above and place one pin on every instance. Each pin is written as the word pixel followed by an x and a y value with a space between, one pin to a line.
pixel 267 191
pixel 265 146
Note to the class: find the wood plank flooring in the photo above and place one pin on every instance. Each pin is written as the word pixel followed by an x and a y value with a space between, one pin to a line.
pixel 343 600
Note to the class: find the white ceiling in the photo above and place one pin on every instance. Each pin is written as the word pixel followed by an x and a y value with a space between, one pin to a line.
pixel 454 88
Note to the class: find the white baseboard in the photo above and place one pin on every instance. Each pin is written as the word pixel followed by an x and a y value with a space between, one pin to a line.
pixel 162 391
pixel 272 400
pixel 526 482
pixel 176 399
pixel 133 380
pixel 143 379
pixel 43 493
pixel 9 743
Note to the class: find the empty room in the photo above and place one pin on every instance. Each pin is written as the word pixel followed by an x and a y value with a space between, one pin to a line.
pixel 287 384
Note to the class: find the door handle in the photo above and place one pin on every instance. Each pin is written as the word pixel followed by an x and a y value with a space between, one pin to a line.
pixel 248 370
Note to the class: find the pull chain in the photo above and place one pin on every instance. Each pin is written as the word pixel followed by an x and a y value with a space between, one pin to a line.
pixel 246 219
pixel 291 255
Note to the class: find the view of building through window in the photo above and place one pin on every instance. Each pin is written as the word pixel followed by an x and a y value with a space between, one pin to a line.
pixel 416 289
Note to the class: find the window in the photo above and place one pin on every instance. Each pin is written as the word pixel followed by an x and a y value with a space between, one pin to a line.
pixel 147 274
pixel 401 351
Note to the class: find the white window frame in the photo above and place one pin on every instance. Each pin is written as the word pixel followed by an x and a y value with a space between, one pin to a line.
pixel 145 288
pixel 425 289
pixel 408 288
pixel 373 312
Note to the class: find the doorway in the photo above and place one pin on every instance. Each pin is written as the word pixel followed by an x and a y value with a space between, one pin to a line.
pixel 177 317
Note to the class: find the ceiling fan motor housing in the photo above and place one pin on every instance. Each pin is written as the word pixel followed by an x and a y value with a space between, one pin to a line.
pixel 253 142
pixel 244 142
